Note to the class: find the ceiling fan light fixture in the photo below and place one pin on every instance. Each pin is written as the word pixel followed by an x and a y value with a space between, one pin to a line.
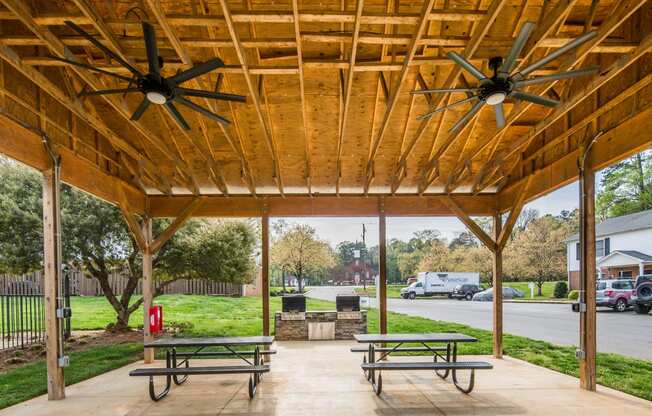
pixel 156 97
pixel 496 98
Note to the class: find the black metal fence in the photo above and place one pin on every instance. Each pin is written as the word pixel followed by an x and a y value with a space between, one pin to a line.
pixel 22 320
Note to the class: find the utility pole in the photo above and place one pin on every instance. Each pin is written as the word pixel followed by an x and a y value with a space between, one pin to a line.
pixel 364 265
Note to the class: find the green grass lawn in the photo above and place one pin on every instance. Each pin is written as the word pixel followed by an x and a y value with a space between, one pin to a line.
pixel 209 315
pixel 393 291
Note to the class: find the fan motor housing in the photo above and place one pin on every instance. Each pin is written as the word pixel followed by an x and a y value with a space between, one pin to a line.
pixel 493 89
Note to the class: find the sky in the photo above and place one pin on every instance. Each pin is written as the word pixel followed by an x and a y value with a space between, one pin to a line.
pixel 335 229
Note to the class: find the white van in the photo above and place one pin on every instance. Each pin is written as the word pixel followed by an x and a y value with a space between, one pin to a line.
pixel 438 283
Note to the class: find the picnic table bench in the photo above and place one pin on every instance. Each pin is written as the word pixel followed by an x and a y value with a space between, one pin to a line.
pixel 441 364
pixel 179 371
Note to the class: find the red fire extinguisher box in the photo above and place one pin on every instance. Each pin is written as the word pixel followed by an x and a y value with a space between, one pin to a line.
pixel 155 319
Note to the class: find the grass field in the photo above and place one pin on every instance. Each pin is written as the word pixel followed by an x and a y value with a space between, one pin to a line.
pixel 394 291
pixel 208 315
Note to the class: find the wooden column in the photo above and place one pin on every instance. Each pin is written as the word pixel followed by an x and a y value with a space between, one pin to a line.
pixel 52 275
pixel 382 269
pixel 587 349
pixel 497 276
pixel 148 286
pixel 265 272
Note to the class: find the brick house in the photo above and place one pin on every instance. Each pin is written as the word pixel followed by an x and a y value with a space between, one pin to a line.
pixel 623 248
pixel 354 273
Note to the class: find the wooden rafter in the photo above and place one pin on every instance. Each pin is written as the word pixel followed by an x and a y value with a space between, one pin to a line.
pixel 178 222
pixel 302 88
pixel 348 86
pixel 412 49
pixel 468 221
pixel 253 92
pixel 482 28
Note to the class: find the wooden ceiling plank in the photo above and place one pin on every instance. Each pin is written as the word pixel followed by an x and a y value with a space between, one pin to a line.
pixel 253 92
pixel 348 87
pixel 302 87
pixel 414 43
pixel 481 30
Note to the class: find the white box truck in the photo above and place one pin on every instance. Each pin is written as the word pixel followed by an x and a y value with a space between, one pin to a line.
pixel 438 283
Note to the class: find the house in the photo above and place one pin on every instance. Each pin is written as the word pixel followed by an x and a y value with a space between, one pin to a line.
pixel 623 248
pixel 354 273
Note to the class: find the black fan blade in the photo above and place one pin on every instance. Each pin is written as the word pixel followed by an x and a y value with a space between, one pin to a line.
pixel 466 117
pixel 536 99
pixel 461 61
pixel 440 109
pixel 558 52
pixel 210 94
pixel 201 110
pixel 105 92
pixel 151 48
pixel 197 70
pixel 140 110
pixel 91 68
pixel 177 115
pixel 103 48
pixel 517 47
pixel 436 90
pixel 561 75
pixel 500 115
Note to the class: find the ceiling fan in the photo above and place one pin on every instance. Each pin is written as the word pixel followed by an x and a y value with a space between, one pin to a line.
pixel 156 88
pixel 503 83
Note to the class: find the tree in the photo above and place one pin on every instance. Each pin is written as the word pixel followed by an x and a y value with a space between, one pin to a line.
pixel 463 239
pixel 625 187
pixel 95 239
pixel 301 253
pixel 345 252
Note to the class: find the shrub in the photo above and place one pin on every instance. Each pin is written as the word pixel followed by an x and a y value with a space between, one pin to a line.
pixel 574 295
pixel 561 290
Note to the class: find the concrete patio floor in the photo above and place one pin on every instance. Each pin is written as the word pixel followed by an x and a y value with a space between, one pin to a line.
pixel 324 378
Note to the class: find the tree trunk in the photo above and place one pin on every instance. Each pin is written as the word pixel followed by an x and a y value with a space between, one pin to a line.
pixel 539 288
pixel 283 279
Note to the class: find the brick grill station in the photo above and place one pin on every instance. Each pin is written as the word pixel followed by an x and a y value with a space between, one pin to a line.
pixel 314 325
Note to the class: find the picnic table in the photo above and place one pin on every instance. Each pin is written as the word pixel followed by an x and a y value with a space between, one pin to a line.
pixel 179 371
pixel 442 346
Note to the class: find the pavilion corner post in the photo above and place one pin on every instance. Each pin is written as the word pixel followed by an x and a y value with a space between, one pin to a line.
pixel 265 271
pixel 587 350
pixel 497 276
pixel 148 286
pixel 52 287
pixel 382 267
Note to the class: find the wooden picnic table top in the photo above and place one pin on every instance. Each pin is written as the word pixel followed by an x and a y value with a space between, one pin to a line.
pixel 209 341
pixel 425 337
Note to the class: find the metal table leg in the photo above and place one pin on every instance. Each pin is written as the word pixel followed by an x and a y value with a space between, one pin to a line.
pixel 168 382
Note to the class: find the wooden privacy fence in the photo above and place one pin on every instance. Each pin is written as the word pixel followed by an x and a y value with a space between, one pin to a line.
pixel 81 285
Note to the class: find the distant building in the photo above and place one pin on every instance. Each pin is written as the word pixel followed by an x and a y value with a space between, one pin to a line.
pixel 354 273
pixel 623 248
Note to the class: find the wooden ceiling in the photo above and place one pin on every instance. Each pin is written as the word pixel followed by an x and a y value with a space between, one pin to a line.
pixel 327 82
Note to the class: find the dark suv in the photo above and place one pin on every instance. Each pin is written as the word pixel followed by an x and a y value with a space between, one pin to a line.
pixel 465 291
pixel 642 298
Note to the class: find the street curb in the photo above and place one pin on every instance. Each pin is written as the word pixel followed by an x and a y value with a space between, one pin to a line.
pixel 553 302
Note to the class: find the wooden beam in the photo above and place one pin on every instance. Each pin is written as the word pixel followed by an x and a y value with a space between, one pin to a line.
pixel 319 205
pixel 382 267
pixel 253 92
pixel 610 73
pixel 481 30
pixel 132 222
pixel 587 350
pixel 497 277
pixel 630 136
pixel 470 224
pixel 51 286
pixel 302 88
pixel 412 49
pixel 506 230
pixel 148 288
pixel 265 271
pixel 178 222
pixel 348 86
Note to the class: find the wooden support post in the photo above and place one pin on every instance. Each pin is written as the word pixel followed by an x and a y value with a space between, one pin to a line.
pixel 265 271
pixel 497 276
pixel 382 268
pixel 52 274
pixel 587 349
pixel 148 286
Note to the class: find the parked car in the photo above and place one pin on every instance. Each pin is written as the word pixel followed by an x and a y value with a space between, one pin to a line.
pixel 614 294
pixel 642 296
pixel 465 291
pixel 488 295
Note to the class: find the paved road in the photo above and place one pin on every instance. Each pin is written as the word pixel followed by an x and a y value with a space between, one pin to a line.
pixel 624 333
